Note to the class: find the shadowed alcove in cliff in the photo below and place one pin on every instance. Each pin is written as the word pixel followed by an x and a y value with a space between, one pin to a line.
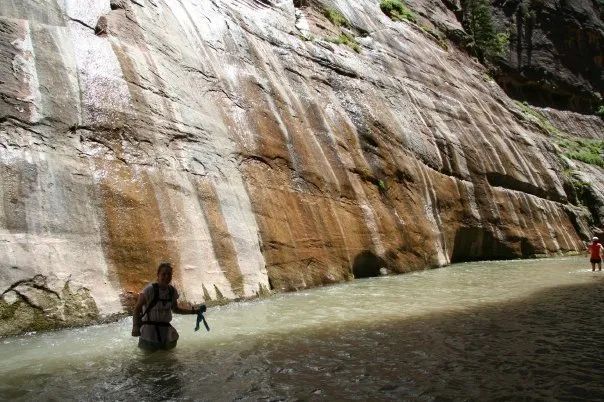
pixel 367 265
pixel 475 243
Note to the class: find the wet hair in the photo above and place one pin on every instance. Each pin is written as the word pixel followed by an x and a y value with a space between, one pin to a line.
pixel 164 265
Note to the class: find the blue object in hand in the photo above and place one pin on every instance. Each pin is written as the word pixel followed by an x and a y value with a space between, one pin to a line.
pixel 200 318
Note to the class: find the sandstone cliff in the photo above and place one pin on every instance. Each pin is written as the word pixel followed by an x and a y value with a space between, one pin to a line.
pixel 258 145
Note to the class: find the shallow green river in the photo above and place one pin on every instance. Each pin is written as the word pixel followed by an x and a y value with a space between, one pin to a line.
pixel 512 330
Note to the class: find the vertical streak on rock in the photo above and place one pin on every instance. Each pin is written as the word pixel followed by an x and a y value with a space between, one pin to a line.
pixel 161 213
pixel 552 235
pixel 543 206
pixel 307 153
pixel 541 225
pixel 138 203
pixel 519 205
pixel 339 241
pixel 558 226
pixel 478 127
pixel 566 228
pixel 184 219
pixel 536 233
pixel 17 183
pixel 368 214
pixel 327 143
pixel 518 157
pixel 433 215
pixel 104 95
pixel 236 208
pixel 428 135
pixel 221 238
pixel 471 197
pixel 312 212
pixel 172 212
pixel 230 192
pixel 57 75
pixel 27 88
pixel 489 208
pixel 134 238
pixel 510 198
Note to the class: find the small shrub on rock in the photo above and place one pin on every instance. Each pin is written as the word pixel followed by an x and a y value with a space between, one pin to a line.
pixel 589 151
pixel 345 39
pixel 397 10
pixel 336 17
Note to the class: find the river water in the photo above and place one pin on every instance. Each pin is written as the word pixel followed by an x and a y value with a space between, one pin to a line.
pixel 512 330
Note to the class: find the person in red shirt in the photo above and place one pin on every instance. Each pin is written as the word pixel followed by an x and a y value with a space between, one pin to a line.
pixel 595 253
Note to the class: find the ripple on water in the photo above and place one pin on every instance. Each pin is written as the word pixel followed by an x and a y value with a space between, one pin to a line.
pixel 520 342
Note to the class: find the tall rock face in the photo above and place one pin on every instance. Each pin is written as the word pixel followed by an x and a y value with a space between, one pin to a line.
pixel 238 140
pixel 556 54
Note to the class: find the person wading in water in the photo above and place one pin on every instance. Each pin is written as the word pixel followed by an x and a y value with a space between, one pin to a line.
pixel 595 253
pixel 153 312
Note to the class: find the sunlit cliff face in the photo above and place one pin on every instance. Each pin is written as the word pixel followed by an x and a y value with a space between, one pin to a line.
pixel 233 140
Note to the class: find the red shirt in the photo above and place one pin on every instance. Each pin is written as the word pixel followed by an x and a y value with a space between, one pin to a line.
pixel 594 249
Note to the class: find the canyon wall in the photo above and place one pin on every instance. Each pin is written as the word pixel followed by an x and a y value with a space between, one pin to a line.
pixel 556 52
pixel 257 149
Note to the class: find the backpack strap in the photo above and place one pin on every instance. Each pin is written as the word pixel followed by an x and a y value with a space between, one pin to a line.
pixel 156 298
pixel 153 301
pixel 171 293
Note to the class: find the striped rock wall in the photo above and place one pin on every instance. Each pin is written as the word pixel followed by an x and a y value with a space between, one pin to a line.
pixel 232 138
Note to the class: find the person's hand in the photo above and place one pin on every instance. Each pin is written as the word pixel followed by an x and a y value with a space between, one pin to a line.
pixel 136 331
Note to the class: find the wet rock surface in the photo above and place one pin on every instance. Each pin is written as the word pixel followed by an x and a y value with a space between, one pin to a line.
pixel 252 146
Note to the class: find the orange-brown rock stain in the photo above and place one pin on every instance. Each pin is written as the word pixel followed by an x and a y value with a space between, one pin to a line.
pixel 452 208
pixel 135 239
pixel 133 236
pixel 222 240
pixel 322 131
pixel 406 233
pixel 282 131
pixel 270 140
pixel 545 227
pixel 307 240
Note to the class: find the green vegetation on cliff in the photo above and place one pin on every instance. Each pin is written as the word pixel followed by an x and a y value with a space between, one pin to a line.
pixel 586 150
pixel 589 151
pixel 397 10
pixel 336 17
pixel 345 39
pixel 539 119
pixel 478 22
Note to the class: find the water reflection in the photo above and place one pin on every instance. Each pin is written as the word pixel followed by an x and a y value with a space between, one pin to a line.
pixel 549 346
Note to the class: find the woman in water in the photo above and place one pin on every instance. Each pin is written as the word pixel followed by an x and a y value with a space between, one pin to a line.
pixel 153 312
pixel 595 254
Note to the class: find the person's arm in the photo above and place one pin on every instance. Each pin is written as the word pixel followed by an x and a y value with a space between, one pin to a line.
pixel 137 316
pixel 182 308
pixel 186 308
